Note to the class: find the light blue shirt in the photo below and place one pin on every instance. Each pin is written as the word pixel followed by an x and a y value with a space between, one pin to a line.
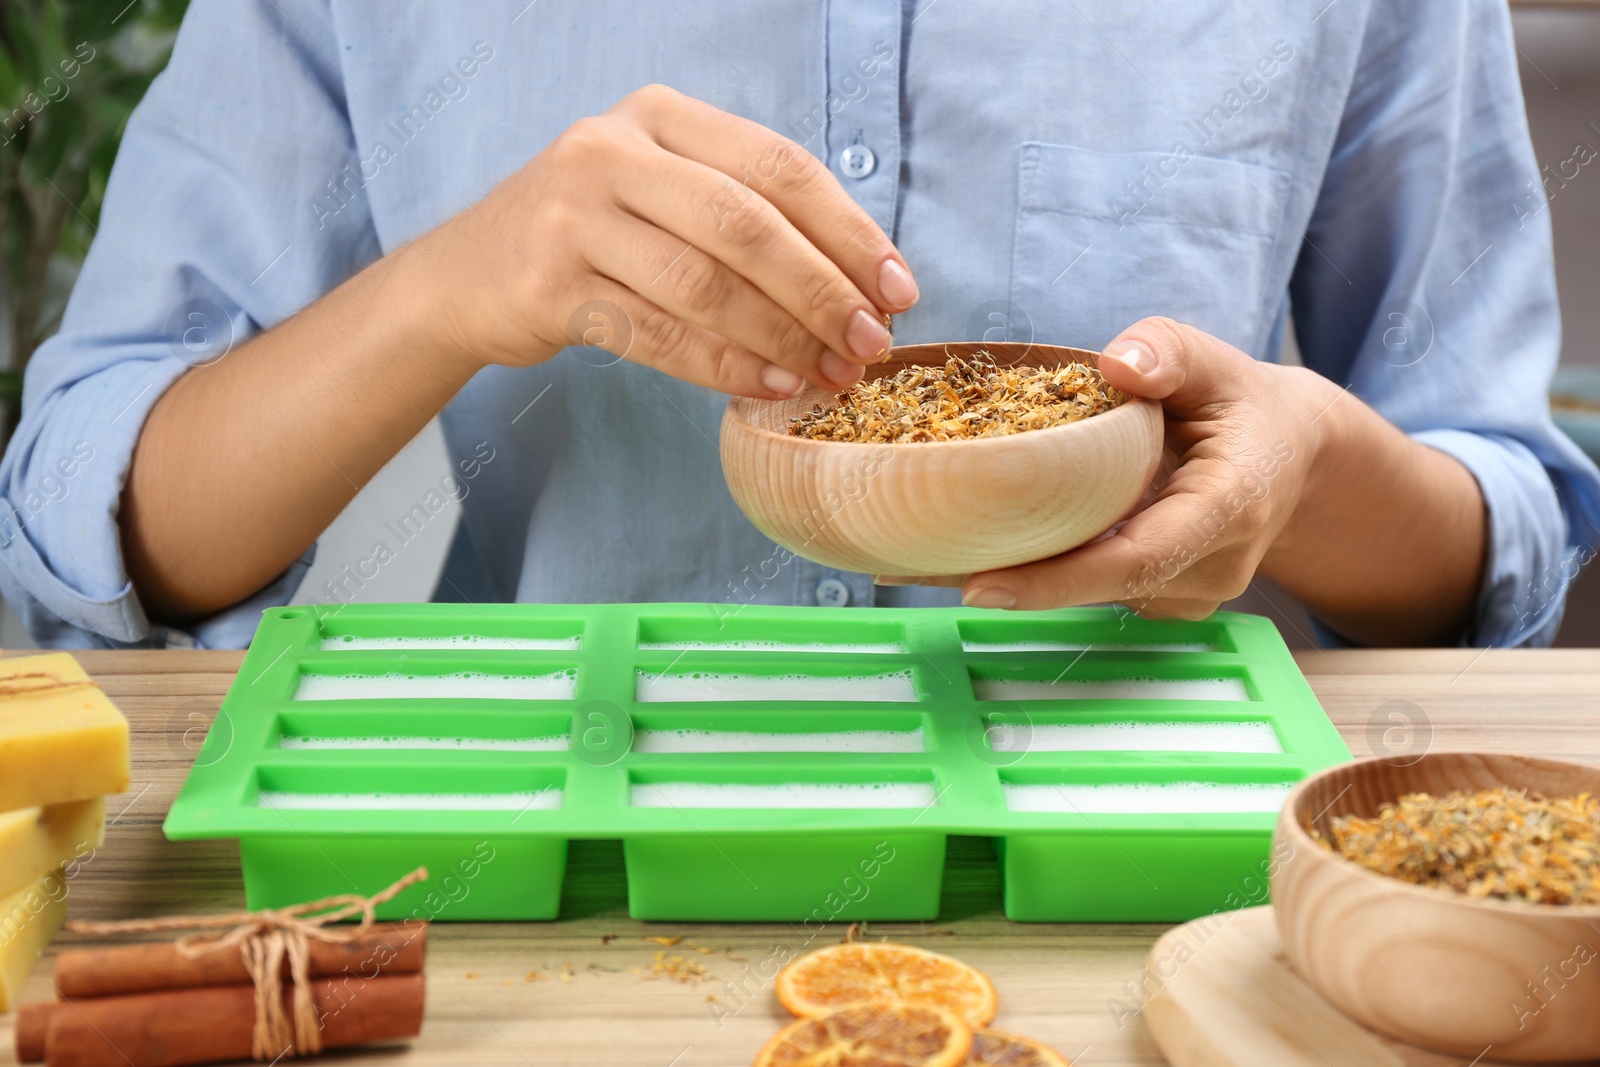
pixel 1051 169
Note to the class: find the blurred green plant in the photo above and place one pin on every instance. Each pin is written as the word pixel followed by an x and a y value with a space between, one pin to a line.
pixel 71 72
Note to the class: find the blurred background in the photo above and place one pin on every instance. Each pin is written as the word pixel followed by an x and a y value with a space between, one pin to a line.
pixel 72 70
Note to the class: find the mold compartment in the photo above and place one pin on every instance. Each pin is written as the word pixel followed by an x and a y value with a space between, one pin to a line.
pixel 434 679
pixel 506 871
pixel 659 732
pixel 1155 734
pixel 452 731
pixel 794 871
pixel 783 788
pixel 1139 866
pixel 493 876
pixel 348 632
pixel 984 636
pixel 841 741
pixel 767 683
pixel 378 789
pixel 752 633
pixel 1149 798
pixel 1130 677
pixel 855 796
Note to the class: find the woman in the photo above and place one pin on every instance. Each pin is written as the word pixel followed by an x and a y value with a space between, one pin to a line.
pixel 331 222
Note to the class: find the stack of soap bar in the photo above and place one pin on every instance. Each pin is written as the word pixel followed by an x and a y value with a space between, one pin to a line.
pixel 63 747
pixel 29 918
pixel 37 840
pixel 60 738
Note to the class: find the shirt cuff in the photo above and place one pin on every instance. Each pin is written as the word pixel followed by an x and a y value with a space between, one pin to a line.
pixel 1528 562
pixel 61 564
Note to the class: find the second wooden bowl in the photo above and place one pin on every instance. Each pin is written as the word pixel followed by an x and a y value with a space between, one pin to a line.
pixel 939 507
pixel 1432 967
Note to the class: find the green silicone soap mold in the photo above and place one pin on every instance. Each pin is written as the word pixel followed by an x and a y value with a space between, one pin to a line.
pixel 358 743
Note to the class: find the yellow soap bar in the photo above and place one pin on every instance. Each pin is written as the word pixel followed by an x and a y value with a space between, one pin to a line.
pixel 59 739
pixel 29 918
pixel 36 841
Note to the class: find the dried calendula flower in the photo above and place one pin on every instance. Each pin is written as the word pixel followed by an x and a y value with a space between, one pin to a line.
pixel 1498 843
pixel 674 968
pixel 965 398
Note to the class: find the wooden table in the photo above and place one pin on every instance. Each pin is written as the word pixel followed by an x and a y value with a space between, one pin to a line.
pixel 569 992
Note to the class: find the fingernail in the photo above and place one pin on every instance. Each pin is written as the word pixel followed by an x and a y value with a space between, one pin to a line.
pixel 892 579
pixel 990 597
pixel 781 381
pixel 867 338
pixel 838 370
pixel 1135 356
pixel 895 285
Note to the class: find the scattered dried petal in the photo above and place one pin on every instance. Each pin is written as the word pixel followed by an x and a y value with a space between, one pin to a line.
pixel 675 968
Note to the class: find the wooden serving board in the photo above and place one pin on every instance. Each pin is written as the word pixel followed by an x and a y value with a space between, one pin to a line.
pixel 1223 995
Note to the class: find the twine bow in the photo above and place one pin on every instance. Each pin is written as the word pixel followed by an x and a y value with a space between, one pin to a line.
pixel 264 939
pixel 17 684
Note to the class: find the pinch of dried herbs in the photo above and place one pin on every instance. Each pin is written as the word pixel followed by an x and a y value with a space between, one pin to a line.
pixel 1498 843
pixel 674 968
pixel 963 399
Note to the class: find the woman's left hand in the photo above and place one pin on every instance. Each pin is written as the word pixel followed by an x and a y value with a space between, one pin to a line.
pixel 1240 440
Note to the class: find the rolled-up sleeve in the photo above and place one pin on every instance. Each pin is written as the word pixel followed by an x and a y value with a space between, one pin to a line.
pixel 1426 282
pixel 234 202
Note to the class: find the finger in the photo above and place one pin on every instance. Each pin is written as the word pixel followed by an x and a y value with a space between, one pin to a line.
pixel 1187 368
pixel 757 240
pixel 944 580
pixel 1098 573
pixel 1144 560
pixel 698 288
pixel 1177 608
pixel 788 176
pixel 635 329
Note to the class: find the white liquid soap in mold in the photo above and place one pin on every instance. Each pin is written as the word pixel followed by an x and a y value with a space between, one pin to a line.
pixel 468 642
pixel 523 744
pixel 543 800
pixel 707 685
pixel 785 795
pixel 1148 798
pixel 1137 737
pixel 466 685
pixel 1111 689
pixel 869 648
pixel 1083 646
pixel 689 741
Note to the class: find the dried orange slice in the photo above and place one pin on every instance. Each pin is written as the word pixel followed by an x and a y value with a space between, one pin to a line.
pixel 879 1035
pixel 877 972
pixel 991 1048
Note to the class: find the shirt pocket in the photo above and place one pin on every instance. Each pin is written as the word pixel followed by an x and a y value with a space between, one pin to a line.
pixel 1104 239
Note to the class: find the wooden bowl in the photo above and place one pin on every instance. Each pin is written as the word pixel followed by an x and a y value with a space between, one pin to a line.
pixel 939 507
pixel 1433 967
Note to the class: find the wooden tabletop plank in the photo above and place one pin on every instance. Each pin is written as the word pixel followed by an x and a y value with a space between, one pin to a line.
pixel 570 992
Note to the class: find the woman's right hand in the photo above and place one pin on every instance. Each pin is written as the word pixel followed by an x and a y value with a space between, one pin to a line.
pixel 733 256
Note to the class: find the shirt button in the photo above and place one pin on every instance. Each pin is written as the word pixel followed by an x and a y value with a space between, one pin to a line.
pixel 832 593
pixel 857 161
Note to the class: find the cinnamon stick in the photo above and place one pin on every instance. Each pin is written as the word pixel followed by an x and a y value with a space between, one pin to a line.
pixel 185 1027
pixel 32 1026
pixel 389 948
